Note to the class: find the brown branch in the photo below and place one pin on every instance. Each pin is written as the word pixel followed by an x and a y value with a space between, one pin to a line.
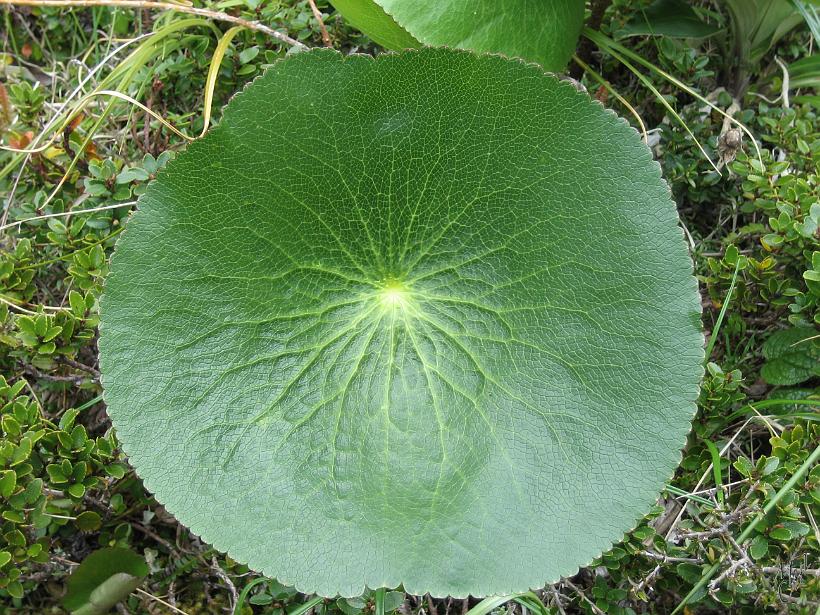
pixel 814 572
pixel 578 591
pixel 586 46
pixel 80 366
pixel 164 6
pixel 556 598
pixel 75 380
pixel 217 570
pixel 153 535
pixel 318 15
pixel 668 558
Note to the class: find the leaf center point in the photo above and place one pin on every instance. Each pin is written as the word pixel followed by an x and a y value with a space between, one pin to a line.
pixel 394 295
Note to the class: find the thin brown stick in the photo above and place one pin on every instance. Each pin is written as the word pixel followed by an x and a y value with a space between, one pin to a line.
pixel 75 380
pixel 160 600
pixel 77 365
pixel 667 558
pixel 164 6
pixel 318 15
pixel 578 591
pixel 586 46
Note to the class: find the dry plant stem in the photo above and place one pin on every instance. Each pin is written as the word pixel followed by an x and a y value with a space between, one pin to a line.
pixel 730 572
pixel 814 572
pixel 556 597
pixel 668 558
pixel 165 6
pixel 680 514
pixel 578 591
pixel 226 580
pixel 17 307
pixel 784 89
pixel 75 380
pixel 318 15
pixel 174 609
pixel 64 214
pixel 154 536
pixel 81 366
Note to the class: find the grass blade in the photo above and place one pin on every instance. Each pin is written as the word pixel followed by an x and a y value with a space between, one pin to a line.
pixel 716 471
pixel 607 44
pixel 713 337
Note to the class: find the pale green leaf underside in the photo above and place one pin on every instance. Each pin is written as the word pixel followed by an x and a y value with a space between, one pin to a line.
pixel 425 319
pixel 542 31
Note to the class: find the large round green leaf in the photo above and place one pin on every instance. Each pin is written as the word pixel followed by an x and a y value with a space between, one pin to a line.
pixel 427 319
pixel 543 31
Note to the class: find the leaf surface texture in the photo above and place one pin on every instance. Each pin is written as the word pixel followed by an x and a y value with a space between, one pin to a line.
pixel 426 319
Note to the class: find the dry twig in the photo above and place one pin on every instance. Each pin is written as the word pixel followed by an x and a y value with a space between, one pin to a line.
pixel 318 15
pixel 165 6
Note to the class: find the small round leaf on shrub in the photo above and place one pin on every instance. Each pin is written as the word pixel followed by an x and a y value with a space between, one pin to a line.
pixel 424 320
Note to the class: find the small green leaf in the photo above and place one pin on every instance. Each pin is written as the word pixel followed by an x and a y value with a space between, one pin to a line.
pixel 51 333
pixel 689 572
pixel 770 464
pixel 26 325
pixel 33 491
pixel 56 474
pixel 67 420
pixel 10 426
pixel 797 528
pixel 88 521
pixel 77 490
pixel 47 348
pixel 41 325
pixel 780 533
pixel 15 589
pixel 117 470
pixel 8 481
pixel 725 597
pixel 261 599
pixel 16 388
pixel 21 452
pixel 134 173
pixel 78 437
pixel 15 538
pixel 248 54
pixel 77 303
pixel 744 466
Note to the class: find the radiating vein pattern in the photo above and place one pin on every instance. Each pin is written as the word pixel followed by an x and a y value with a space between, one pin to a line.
pixel 424 320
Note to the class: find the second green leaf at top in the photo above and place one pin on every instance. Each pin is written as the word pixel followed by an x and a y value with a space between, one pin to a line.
pixel 542 31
